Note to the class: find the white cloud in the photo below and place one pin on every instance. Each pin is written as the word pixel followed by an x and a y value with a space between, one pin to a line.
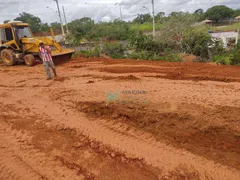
pixel 102 10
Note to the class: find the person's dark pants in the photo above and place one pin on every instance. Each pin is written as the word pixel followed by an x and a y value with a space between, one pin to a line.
pixel 48 65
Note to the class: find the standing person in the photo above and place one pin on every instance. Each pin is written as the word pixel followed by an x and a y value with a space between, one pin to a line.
pixel 46 56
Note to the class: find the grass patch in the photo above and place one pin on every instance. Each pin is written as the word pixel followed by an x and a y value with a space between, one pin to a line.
pixel 227 27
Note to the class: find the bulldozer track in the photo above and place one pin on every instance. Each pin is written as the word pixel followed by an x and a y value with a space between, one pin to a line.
pixel 134 144
pixel 22 161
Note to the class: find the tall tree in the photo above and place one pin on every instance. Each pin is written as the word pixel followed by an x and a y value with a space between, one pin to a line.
pixel 45 27
pixel 199 11
pixel 159 16
pixel 34 22
pixel 219 12
pixel 237 12
pixel 6 21
pixel 178 13
pixel 142 18
pixel 80 28
pixel 56 26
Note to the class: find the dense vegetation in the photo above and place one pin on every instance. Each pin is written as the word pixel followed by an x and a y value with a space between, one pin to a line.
pixel 176 34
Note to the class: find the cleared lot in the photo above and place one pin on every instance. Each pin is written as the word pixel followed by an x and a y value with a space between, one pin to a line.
pixel 163 121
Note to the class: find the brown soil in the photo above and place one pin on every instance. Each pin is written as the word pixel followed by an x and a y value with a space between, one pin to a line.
pixel 167 127
pixel 120 119
pixel 177 71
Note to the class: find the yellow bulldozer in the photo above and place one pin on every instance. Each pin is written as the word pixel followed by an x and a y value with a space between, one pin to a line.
pixel 17 44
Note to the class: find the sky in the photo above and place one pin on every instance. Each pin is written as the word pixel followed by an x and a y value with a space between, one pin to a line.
pixel 102 10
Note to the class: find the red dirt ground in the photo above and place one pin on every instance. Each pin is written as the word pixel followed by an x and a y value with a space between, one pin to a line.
pixel 120 119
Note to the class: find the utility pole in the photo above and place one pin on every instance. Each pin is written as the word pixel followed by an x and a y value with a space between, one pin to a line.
pixel 65 19
pixel 59 13
pixel 153 14
pixel 121 13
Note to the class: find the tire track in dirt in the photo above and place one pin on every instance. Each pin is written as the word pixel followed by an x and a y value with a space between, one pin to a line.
pixel 89 158
pixel 154 153
pixel 11 167
pixel 20 160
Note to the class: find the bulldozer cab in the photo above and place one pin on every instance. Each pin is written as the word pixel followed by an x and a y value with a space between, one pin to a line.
pixel 23 32
pixel 12 33
pixel 6 35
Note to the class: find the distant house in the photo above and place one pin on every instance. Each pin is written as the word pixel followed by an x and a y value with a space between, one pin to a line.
pixel 237 18
pixel 207 21
pixel 226 37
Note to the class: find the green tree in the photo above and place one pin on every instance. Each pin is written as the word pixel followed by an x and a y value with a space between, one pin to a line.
pixel 237 12
pixel 199 11
pixel 172 33
pixel 159 17
pixel 116 30
pixel 143 18
pixel 219 12
pixel 80 28
pixel 45 27
pixel 199 14
pixel 6 21
pixel 34 22
pixel 56 26
pixel 177 13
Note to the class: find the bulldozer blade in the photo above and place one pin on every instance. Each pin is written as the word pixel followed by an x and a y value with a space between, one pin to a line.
pixel 61 58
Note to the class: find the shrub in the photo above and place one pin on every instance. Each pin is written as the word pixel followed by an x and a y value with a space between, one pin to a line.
pixel 76 54
pixel 222 59
pixel 142 42
pixel 235 55
pixel 235 59
pixel 114 50
pixel 173 57
pixel 232 57
pixel 73 39
pixel 95 52
pixel 196 41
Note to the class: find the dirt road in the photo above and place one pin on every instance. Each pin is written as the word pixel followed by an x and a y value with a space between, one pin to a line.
pixel 120 119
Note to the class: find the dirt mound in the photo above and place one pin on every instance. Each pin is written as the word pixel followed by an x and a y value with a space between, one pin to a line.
pixel 130 77
pixel 129 69
pixel 188 57
pixel 182 71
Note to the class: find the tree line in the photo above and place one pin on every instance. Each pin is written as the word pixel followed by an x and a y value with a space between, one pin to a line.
pixel 214 13
pixel 176 35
